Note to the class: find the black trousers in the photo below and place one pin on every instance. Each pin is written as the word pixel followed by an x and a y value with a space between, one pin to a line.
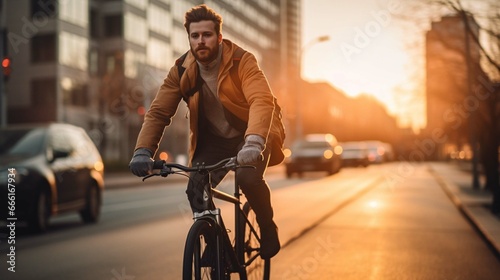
pixel 212 149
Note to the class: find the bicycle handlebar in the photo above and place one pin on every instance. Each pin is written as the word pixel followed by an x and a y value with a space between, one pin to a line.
pixel 167 168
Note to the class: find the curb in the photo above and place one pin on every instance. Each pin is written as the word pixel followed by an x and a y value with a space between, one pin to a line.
pixel 481 217
pixel 485 223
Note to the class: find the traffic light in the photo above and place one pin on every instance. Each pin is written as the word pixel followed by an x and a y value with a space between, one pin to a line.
pixel 6 68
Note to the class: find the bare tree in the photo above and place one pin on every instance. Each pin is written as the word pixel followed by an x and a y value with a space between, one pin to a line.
pixel 481 24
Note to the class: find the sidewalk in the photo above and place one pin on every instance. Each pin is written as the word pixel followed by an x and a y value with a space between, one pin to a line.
pixel 457 183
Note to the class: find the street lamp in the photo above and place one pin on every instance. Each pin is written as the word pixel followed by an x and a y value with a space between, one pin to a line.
pixel 307 46
pixel 298 109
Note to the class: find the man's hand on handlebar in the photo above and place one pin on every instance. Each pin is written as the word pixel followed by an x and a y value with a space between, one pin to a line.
pixel 251 152
pixel 142 162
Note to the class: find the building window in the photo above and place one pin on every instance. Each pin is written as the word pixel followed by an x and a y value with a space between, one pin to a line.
pixel 79 96
pixel 159 54
pixel 75 12
pixel 180 40
pixel 44 8
pixel 179 8
pixel 113 26
pixel 43 48
pixel 159 20
pixel 73 50
pixel 136 29
pixel 74 93
pixel 94 24
pixel 133 62
pixel 93 62
pixel 114 62
pixel 43 93
pixel 141 4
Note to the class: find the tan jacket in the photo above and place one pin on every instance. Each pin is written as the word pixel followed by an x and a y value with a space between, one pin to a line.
pixel 256 105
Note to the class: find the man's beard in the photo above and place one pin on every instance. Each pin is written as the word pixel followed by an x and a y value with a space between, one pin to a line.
pixel 209 57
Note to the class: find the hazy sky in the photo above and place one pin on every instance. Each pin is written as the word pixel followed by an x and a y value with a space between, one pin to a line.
pixel 367 53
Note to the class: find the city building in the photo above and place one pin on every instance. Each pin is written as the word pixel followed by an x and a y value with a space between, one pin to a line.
pixel 98 63
pixel 452 67
pixel 329 110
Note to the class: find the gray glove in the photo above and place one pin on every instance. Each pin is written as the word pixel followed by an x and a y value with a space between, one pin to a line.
pixel 251 152
pixel 142 162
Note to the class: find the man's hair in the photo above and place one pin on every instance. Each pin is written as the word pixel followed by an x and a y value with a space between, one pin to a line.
pixel 203 12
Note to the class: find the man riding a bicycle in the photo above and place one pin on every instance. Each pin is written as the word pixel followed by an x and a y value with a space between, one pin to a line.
pixel 232 112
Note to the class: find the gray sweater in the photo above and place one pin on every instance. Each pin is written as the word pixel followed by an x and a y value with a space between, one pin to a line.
pixel 212 107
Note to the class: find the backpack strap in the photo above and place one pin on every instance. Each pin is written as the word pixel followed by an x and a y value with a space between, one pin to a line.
pixel 181 69
pixel 179 63
pixel 233 120
pixel 235 77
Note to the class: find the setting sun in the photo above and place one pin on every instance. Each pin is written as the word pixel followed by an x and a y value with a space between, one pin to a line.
pixel 367 54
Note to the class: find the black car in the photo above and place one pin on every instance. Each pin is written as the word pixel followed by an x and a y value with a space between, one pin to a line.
pixel 315 152
pixel 52 169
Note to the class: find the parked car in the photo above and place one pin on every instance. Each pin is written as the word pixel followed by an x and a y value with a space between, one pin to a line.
pixel 355 154
pixel 55 168
pixel 315 152
pixel 379 152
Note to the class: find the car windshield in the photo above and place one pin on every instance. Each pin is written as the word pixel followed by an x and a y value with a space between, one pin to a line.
pixel 311 144
pixel 354 149
pixel 26 142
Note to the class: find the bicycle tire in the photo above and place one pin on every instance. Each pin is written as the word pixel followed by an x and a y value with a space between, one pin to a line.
pixel 258 269
pixel 200 258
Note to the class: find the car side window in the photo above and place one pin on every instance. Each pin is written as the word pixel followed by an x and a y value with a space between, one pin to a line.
pixel 22 142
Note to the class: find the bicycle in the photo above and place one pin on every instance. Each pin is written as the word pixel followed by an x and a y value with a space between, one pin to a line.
pixel 209 252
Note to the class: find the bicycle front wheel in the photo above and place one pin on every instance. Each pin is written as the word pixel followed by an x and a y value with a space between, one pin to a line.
pixel 256 267
pixel 200 253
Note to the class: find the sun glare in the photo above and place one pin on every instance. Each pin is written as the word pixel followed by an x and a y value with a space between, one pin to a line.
pixel 373 204
pixel 359 60
pixel 377 72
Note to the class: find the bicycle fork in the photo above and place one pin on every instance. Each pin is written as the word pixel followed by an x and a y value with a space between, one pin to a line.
pixel 226 259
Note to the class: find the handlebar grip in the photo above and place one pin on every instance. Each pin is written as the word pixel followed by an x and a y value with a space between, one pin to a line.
pixel 158 164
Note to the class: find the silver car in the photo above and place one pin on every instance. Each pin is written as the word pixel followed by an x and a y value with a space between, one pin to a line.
pixel 314 152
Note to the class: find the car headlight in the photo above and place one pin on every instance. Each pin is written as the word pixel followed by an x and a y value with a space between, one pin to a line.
pixel 288 155
pixel 328 154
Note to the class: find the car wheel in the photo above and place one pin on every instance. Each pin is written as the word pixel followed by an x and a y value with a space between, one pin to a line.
pixel 39 220
pixel 332 169
pixel 92 210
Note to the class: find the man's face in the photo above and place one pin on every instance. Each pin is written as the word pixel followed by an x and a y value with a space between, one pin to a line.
pixel 203 41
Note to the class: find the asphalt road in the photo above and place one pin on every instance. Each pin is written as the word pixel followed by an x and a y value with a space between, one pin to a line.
pixel 352 225
pixel 405 229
